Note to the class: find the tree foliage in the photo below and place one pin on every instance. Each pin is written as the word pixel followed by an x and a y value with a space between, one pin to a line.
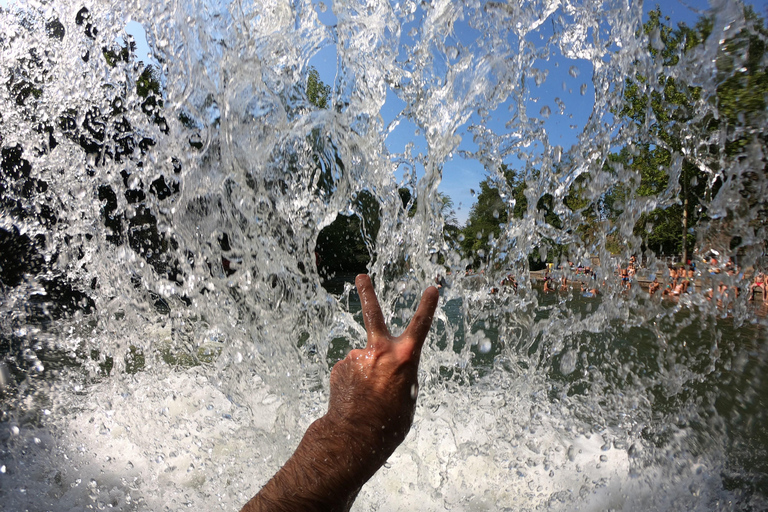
pixel 318 93
pixel 348 243
pixel 492 212
pixel 666 108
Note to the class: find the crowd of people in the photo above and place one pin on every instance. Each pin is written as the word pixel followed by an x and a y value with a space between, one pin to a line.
pixel 680 280
pixel 584 276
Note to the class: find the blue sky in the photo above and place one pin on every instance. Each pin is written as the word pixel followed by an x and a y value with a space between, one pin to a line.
pixel 461 174
pixel 567 93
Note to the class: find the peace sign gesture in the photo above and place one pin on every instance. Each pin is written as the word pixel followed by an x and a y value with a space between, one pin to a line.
pixel 384 372
pixel 373 397
pixel 373 390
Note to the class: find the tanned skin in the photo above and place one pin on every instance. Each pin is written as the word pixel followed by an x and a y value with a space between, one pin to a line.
pixel 370 411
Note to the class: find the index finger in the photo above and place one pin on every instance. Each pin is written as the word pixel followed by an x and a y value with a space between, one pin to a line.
pixel 374 320
pixel 419 326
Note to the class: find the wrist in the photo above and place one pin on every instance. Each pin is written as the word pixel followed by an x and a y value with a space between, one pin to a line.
pixel 339 452
pixel 320 475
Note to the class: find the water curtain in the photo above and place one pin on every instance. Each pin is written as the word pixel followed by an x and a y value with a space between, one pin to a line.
pixel 173 296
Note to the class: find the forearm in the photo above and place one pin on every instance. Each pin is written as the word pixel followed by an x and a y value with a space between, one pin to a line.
pixel 320 476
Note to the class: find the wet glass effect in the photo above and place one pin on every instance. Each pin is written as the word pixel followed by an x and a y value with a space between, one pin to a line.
pixel 170 339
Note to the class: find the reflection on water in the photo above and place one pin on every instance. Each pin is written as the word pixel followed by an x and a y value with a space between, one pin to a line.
pixel 169 322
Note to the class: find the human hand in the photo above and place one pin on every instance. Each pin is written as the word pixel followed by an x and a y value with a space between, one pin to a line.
pixel 373 398
pixel 373 390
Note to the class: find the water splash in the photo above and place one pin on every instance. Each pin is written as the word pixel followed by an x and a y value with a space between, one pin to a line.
pixel 166 333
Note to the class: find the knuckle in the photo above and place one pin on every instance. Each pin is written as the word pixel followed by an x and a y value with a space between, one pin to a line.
pixel 355 354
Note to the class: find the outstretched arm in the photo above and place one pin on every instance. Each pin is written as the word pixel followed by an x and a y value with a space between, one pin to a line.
pixel 373 398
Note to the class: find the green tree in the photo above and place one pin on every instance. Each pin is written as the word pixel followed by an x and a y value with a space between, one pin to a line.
pixel 484 222
pixel 491 211
pixel 742 97
pixel 663 106
pixel 318 93
pixel 666 109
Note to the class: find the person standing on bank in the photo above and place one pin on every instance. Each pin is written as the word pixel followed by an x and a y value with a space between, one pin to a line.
pixel 370 411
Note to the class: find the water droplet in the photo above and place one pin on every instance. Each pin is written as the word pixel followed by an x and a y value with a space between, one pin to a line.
pixel 133 182
pixel 414 391
pixel 5 376
pixel 485 346
pixel 2 468
pixel 545 111
pixel 656 42
pixel 568 362
pixel 573 71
